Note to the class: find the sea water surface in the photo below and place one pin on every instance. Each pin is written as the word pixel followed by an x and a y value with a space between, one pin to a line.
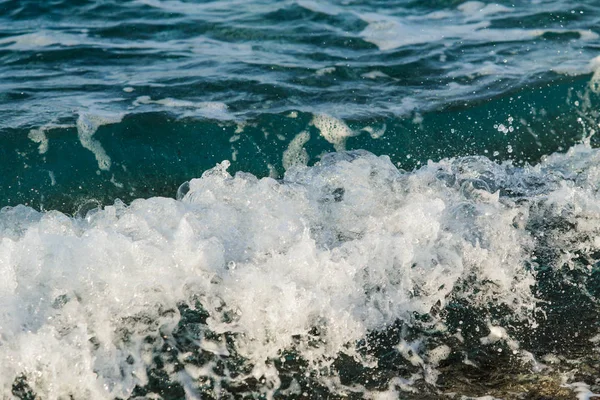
pixel 299 199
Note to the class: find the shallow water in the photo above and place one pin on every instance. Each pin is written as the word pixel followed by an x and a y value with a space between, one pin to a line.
pixel 408 205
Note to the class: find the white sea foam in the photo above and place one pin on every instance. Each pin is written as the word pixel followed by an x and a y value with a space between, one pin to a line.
pixel 347 246
pixel 320 7
pixel 477 9
pixel 375 74
pixel 39 135
pixel 389 32
pixel 87 125
pixel 296 154
pixel 375 133
pixel 583 391
pixel 334 130
pixel 325 71
pixel 594 66
pixel 471 23
pixel 43 38
pixel 209 109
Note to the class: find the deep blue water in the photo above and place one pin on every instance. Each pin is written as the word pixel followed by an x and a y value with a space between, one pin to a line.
pixel 104 102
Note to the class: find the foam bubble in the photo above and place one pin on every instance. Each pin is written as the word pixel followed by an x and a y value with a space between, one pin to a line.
pixel 375 133
pixel 87 125
pixel 583 391
pixel 375 74
pixel 594 66
pixel 320 7
pixel 477 9
pixel 52 178
pixel 43 38
pixel 209 109
pixel 296 154
pixel 334 130
pixel 389 32
pixel 325 71
pixel 39 136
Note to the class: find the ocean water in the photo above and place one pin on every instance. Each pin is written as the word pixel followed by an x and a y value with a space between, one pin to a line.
pixel 299 199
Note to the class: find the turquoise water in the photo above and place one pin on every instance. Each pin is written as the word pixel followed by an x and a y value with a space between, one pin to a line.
pixel 416 195
pixel 180 77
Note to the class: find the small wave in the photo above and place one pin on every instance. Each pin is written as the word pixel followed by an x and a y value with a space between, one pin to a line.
pixel 344 248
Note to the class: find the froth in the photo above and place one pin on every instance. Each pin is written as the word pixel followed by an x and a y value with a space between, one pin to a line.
pixel 346 247
pixel 87 125
pixel 334 130
pixel 391 32
pixel 207 109
pixel 296 154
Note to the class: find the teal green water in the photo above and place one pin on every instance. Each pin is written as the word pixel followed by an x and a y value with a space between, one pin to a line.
pixel 152 153
pixel 179 76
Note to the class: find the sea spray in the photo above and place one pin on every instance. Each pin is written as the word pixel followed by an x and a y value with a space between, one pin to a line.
pixel 220 290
